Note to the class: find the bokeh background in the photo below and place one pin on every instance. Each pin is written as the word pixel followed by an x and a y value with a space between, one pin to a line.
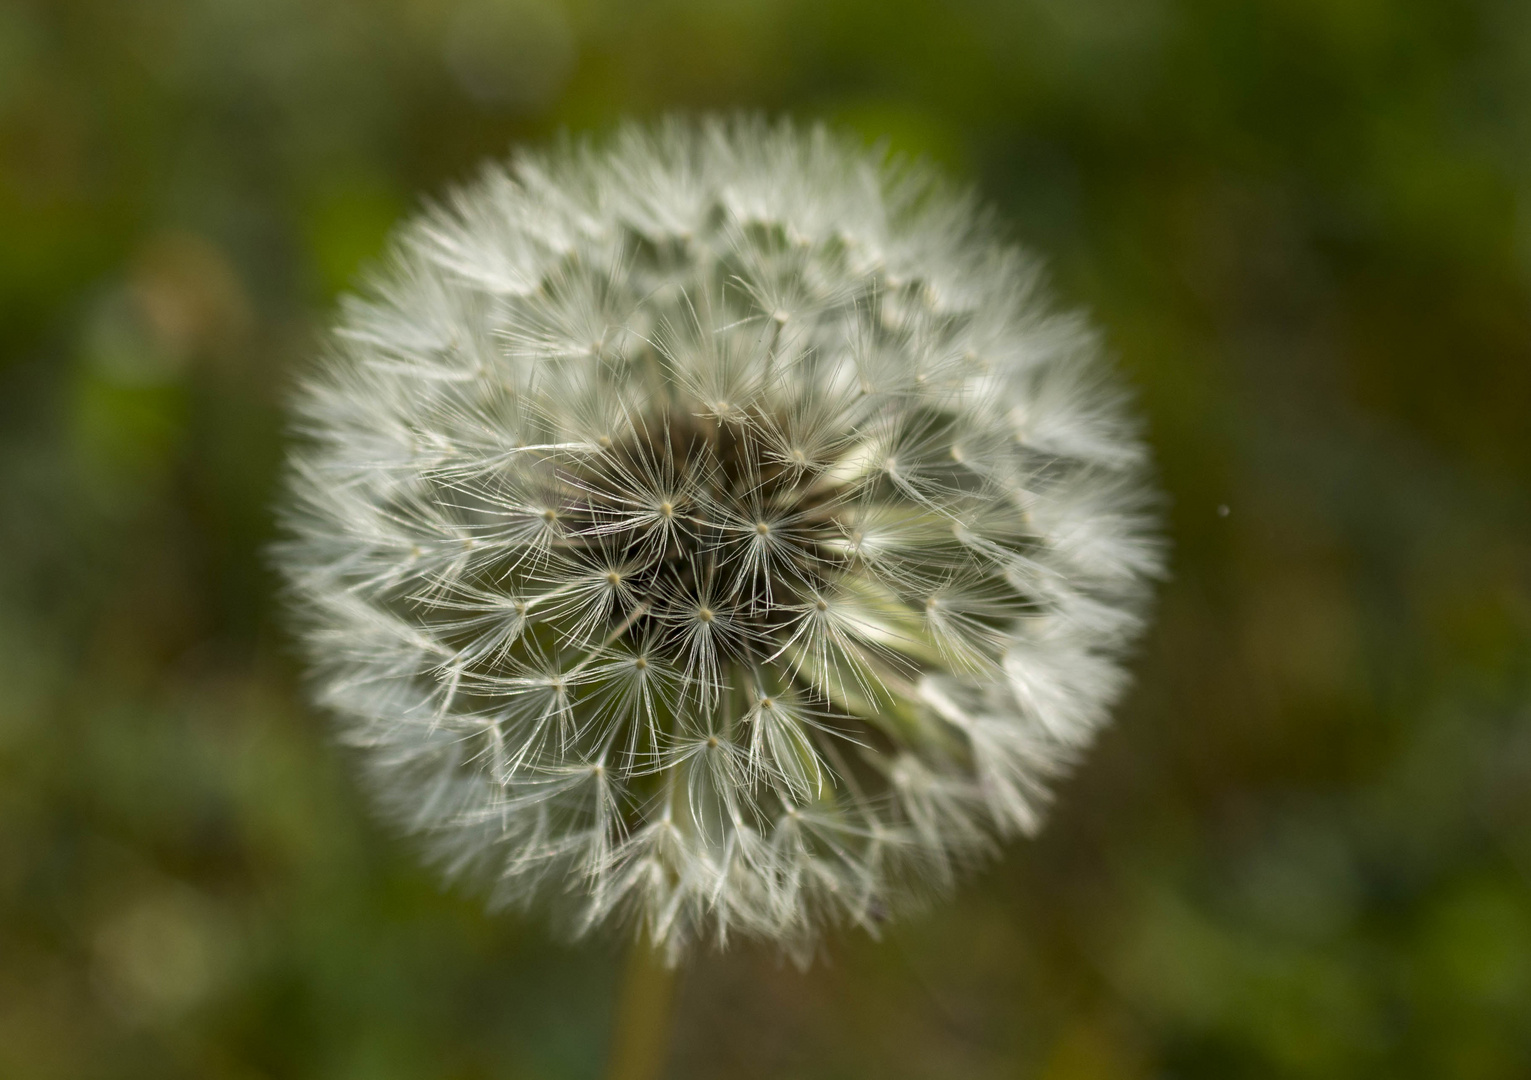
pixel 1304 850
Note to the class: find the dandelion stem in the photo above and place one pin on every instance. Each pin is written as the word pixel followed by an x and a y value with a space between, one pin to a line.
pixel 640 1040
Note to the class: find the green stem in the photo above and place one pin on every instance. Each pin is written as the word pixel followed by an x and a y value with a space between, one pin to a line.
pixel 640 1040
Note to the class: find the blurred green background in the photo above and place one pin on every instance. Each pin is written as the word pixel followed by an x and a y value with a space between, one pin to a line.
pixel 1304 850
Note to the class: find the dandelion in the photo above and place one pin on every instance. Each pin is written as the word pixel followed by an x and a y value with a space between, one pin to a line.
pixel 714 532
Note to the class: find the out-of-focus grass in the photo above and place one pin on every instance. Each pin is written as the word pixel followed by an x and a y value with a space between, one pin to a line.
pixel 1302 851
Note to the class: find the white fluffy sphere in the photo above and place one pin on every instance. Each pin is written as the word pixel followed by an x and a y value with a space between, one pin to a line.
pixel 714 529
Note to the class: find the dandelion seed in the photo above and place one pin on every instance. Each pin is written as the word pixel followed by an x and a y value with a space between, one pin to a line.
pixel 715 531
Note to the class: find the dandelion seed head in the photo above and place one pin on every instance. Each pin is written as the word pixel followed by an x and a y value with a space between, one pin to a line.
pixel 714 531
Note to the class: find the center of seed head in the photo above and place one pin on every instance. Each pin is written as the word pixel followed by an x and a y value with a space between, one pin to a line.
pixel 820 605
pixel 712 741
pixel 641 663
pixel 550 515
pixel 670 549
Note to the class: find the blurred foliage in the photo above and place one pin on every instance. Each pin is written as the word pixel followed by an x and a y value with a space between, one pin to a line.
pixel 1302 851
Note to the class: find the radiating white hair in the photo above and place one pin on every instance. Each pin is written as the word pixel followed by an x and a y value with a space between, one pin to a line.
pixel 714 529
